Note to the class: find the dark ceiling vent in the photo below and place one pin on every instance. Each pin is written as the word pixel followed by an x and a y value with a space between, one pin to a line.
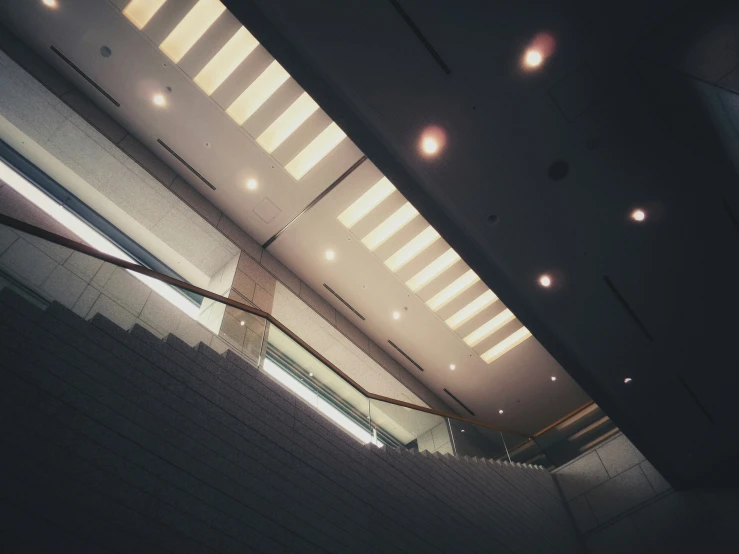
pixel 183 162
pixel 420 36
pixel 329 289
pixel 458 401
pixel 85 76
pixel 407 357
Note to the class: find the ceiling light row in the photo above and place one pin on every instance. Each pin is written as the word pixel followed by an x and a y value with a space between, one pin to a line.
pixel 223 64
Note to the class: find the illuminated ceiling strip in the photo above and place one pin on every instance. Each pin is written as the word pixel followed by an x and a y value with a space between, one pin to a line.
pixel 139 12
pixel 472 309
pixel 287 123
pixel 191 28
pixel 489 328
pixel 366 203
pixel 226 61
pixel 417 245
pixel 318 149
pixel 506 344
pixel 390 226
pixel 452 291
pixel 92 237
pixel 434 269
pixel 257 93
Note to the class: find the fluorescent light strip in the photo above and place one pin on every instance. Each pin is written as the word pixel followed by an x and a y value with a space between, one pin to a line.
pixel 489 328
pixel 300 390
pixel 390 226
pixel 506 344
pixel 139 12
pixel 452 291
pixel 287 123
pixel 89 235
pixel 417 245
pixel 191 28
pixel 226 61
pixel 366 203
pixel 257 93
pixel 318 149
pixel 472 309
pixel 434 269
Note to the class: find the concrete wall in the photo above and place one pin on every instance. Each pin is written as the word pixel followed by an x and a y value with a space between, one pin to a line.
pixel 83 148
pixel 621 504
pixel 117 441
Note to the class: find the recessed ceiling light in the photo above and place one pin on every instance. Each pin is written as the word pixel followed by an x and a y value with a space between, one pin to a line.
pixel 243 323
pixel 251 184
pixel 452 367
pixel 545 281
pixel 311 374
pixel 627 380
pixel 430 145
pixel 50 3
pixel 319 148
pixel 462 430
pixel 417 245
pixel 394 223
pixel 490 327
pixel 453 290
pixel 396 315
pixel 159 100
pixel 472 309
pixel 500 411
pixel 228 58
pixel 638 215
pixel 330 254
pixel 367 202
pixel 508 343
pixel 190 28
pixel 432 141
pixel 257 93
pixel 533 58
pixel 554 378
pixel 139 12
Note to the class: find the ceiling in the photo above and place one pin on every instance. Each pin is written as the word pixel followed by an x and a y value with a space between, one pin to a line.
pixel 200 122
pixel 653 301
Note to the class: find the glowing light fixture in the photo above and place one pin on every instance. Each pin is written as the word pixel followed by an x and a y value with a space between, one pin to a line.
pixel 417 245
pixel 228 58
pixel 434 269
pixel 89 235
pixel 489 328
pixel 251 184
pixel 330 254
pixel 500 411
pixel 51 3
pixel 430 145
pixel 472 309
pixel 452 367
pixel 159 100
pixel 318 149
pixel 533 58
pixel 286 124
pixel 545 281
pixel 390 226
pixel 243 323
pixel 257 93
pixel 638 215
pixel 138 12
pixel 188 31
pixel 453 290
pixel 554 378
pixel 506 344
pixel 366 203
pixel 396 315
pixel 627 380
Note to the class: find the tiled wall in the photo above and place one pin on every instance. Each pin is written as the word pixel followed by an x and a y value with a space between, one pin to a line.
pixel 259 274
pixel 437 439
pixel 620 503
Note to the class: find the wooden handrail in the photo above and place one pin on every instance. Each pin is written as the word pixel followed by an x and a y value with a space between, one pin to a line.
pixel 563 418
pixel 90 251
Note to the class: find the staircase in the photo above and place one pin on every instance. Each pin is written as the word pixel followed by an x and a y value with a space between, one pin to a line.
pixel 117 441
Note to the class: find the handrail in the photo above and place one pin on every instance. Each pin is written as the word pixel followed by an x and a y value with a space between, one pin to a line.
pixel 90 251
pixel 563 418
